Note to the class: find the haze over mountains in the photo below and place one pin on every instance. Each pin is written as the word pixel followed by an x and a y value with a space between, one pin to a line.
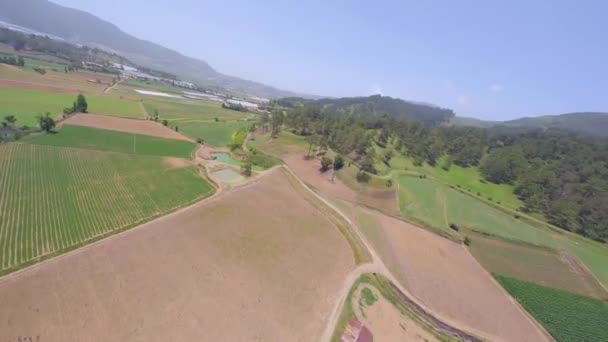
pixel 84 28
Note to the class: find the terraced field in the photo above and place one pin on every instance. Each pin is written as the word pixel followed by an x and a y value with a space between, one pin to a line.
pixel 53 199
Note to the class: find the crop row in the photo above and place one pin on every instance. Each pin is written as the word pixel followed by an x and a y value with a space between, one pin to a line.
pixel 52 198
pixel 567 316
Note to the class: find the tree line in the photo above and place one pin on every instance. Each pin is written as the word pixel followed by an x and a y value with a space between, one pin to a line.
pixel 558 174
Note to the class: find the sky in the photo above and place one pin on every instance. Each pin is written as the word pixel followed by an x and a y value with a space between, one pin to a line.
pixel 494 60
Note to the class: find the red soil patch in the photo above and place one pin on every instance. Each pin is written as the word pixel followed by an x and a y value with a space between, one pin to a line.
pixel 257 264
pixel 448 280
pixel 308 171
pixel 124 125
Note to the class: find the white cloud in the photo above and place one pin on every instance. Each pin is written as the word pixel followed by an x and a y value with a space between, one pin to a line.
pixel 496 87
pixel 463 100
pixel 376 89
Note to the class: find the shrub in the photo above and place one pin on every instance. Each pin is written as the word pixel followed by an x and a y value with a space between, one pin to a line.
pixel 389 183
pixel 467 241
pixel 363 177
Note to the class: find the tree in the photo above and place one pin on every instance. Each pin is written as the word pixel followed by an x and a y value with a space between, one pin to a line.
pixel 311 140
pixel 388 155
pixel 10 120
pixel 246 169
pixel 276 123
pixel 46 122
pixel 156 115
pixel 20 61
pixel 80 106
pixel 165 122
pixel 503 165
pixel 326 163
pixel 338 162
pixel 367 164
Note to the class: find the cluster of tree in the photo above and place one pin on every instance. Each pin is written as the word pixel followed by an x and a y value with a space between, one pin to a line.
pixel 375 105
pixel 79 106
pixel 234 106
pixel 12 60
pixel 556 173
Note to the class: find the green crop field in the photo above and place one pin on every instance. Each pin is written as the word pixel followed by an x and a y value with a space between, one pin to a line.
pixel 176 109
pixel 541 266
pixel 438 205
pixel 53 199
pixel 568 317
pixel 105 140
pixel 27 104
pixel 214 133
pixel 151 85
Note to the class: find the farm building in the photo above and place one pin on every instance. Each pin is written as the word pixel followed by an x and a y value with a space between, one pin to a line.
pixel 356 332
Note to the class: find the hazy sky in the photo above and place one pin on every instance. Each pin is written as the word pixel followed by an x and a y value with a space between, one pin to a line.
pixel 487 59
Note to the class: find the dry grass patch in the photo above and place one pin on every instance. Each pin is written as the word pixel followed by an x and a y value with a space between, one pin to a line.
pixel 258 264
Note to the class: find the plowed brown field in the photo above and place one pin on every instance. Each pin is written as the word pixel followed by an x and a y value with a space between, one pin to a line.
pixel 257 264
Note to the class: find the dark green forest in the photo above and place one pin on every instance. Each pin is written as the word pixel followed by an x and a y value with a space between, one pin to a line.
pixel 561 175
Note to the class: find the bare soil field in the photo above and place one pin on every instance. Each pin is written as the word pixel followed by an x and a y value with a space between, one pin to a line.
pixel 56 81
pixel 124 125
pixel 257 264
pixel 308 171
pixel 33 85
pixel 446 278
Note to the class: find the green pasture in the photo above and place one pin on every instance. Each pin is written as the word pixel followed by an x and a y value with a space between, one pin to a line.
pixel 156 86
pixel 213 133
pixel 106 140
pixel 468 178
pixel 27 104
pixel 177 109
pixel 567 316
pixel 54 199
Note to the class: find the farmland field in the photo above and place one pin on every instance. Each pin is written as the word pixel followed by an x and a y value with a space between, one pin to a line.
pixel 438 205
pixel 214 133
pixel 541 266
pixel 262 256
pixel 176 109
pixel 26 104
pixel 568 317
pixel 106 140
pixel 53 198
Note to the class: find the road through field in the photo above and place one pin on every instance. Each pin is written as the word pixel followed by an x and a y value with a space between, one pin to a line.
pixel 378 266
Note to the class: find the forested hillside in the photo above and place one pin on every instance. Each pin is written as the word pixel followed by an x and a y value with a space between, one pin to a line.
pixel 376 105
pixel 556 173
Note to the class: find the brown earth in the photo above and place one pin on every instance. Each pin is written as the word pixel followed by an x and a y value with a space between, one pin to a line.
pixel 73 82
pixel 385 321
pixel 308 171
pixel 124 125
pixel 256 264
pixel 446 278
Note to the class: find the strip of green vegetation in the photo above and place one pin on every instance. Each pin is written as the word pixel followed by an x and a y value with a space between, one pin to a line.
pixel 567 316
pixel 55 199
pixel 105 140
pixel 27 104
pixel 213 133
pixel 238 138
pixel 177 109
pixel 163 87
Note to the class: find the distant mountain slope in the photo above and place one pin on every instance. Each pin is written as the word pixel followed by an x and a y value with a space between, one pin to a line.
pixel 587 123
pixel 84 28
pixel 379 105
pixel 590 123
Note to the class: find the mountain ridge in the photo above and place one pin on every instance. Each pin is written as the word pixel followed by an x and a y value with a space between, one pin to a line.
pixel 84 28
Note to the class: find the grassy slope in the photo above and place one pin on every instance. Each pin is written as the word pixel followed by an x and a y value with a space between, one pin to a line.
pixel 26 104
pixel 468 178
pixel 434 203
pixel 105 140
pixel 54 199
pixel 568 317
